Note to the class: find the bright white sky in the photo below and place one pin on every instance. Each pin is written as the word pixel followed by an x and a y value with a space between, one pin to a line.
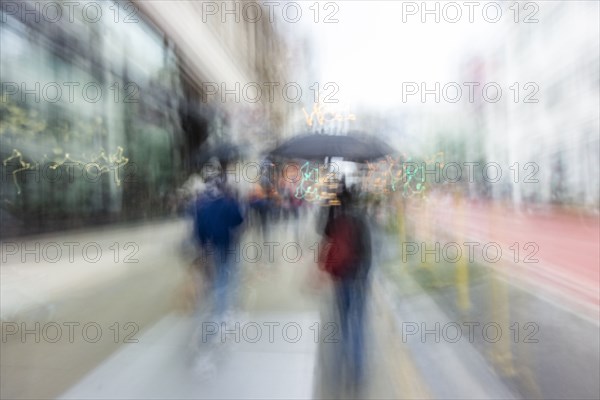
pixel 370 52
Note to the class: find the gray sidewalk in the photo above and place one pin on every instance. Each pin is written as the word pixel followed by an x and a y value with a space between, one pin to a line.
pixel 162 364
pixel 274 346
pixel 277 350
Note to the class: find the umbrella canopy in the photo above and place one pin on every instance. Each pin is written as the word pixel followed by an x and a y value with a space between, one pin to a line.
pixel 354 147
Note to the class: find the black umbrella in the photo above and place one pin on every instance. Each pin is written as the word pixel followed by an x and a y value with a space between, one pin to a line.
pixel 353 147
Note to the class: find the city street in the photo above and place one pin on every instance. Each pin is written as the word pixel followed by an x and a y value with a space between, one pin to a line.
pixel 296 362
pixel 299 200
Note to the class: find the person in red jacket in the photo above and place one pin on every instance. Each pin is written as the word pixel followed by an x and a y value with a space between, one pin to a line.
pixel 348 261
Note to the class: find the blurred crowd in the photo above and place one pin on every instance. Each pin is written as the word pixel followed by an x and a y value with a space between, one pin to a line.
pixel 220 214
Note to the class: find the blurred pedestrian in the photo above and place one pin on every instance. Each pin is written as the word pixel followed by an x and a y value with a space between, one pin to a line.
pixel 348 261
pixel 216 217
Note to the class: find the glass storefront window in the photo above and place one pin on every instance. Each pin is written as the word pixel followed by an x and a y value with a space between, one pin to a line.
pixel 90 126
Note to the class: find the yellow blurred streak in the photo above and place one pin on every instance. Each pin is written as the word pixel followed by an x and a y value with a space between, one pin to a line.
pixel 463 301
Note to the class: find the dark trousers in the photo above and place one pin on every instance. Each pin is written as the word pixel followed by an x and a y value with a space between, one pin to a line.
pixel 350 297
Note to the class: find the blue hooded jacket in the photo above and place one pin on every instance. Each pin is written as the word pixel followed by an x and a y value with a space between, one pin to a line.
pixel 215 219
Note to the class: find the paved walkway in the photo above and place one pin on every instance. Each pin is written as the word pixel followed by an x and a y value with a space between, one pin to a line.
pixel 276 346
pixel 286 302
pixel 163 363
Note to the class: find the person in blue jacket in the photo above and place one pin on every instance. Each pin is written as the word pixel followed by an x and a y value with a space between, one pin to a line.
pixel 216 218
